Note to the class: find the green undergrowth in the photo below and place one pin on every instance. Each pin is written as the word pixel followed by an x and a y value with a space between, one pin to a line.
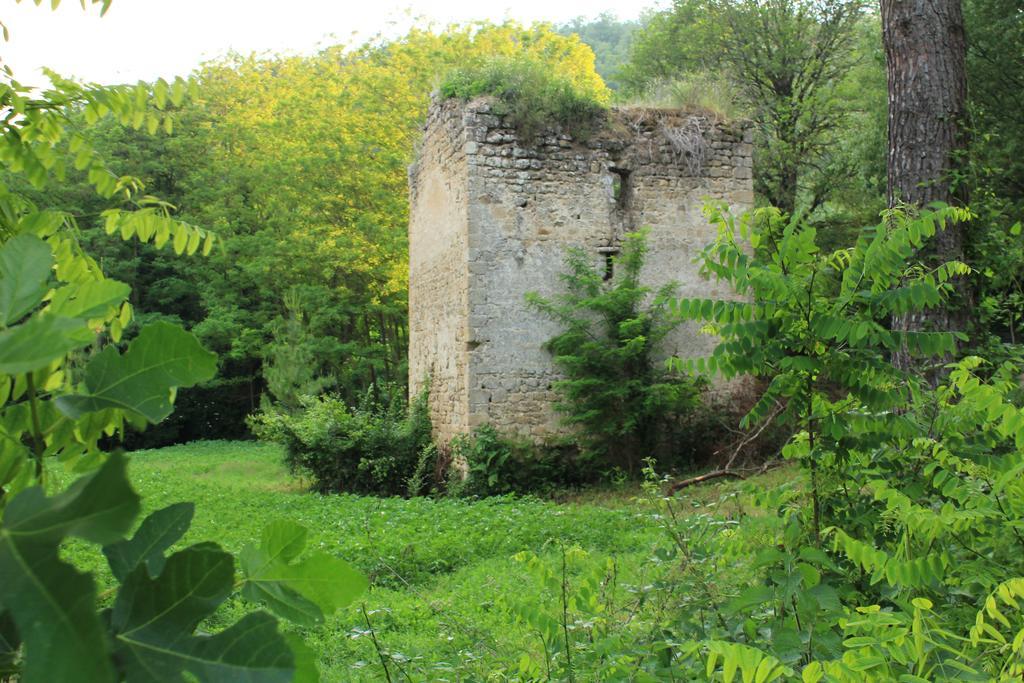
pixel 444 573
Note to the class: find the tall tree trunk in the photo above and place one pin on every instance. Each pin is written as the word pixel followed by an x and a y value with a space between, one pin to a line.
pixel 925 50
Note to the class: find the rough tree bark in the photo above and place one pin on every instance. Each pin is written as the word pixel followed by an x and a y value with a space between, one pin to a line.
pixel 925 50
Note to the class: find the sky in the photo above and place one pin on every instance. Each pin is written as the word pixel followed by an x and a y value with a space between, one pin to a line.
pixel 144 39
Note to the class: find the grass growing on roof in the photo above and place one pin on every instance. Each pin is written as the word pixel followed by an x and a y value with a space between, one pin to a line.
pixel 532 95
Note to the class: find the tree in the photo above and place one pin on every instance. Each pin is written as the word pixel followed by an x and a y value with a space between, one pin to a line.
pixel 995 71
pixel 613 389
pixel 787 58
pixel 813 323
pixel 925 49
pixel 609 38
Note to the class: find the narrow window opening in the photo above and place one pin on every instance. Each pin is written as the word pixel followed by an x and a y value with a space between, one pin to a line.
pixel 609 254
pixel 620 186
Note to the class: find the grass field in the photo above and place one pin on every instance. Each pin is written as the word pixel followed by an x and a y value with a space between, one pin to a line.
pixel 442 571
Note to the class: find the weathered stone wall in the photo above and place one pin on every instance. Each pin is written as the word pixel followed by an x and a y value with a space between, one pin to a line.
pixel 524 204
pixel 438 265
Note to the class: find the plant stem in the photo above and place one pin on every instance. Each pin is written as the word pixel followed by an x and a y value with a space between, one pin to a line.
pixel 565 619
pixel 376 645
pixel 38 443
pixel 816 503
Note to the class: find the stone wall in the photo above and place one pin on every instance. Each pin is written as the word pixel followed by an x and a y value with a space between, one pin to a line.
pixel 438 302
pixel 492 218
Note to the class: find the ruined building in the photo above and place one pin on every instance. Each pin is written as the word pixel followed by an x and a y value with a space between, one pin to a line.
pixel 492 217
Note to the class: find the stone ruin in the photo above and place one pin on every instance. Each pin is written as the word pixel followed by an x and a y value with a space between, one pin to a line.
pixel 492 217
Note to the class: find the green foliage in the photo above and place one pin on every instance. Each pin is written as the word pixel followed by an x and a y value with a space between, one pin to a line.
pixel 655 588
pixel 497 465
pixel 798 69
pixel 441 568
pixel 290 367
pixel 157 533
pixel 531 96
pixel 812 322
pixel 374 447
pixel 51 605
pixel 609 37
pixel 912 486
pixel 995 249
pixel 995 72
pixel 153 619
pixel 59 400
pixel 581 603
pixel 160 600
pixel 624 402
pixel 302 591
pixel 136 382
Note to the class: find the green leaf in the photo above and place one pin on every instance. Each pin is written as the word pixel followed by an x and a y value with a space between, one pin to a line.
pixel 38 342
pixel 305 660
pixel 13 456
pixel 810 576
pixel 52 604
pixel 9 644
pixel 181 237
pixel 25 265
pixel 89 299
pixel 160 91
pixel 153 621
pixel 301 592
pixel 162 358
pixel 99 508
pixel 751 597
pixel 158 532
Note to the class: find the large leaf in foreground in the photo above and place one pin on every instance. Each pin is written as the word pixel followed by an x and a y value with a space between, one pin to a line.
pixel 158 532
pixel 153 621
pixel 52 604
pixel 162 358
pixel 99 507
pixel 39 341
pixel 303 591
pixel 25 265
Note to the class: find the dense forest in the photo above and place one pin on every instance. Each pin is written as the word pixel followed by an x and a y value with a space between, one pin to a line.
pixel 224 256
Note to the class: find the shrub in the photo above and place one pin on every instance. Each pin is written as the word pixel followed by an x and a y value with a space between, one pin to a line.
pixel 375 447
pixel 532 95
pixel 624 401
pixel 497 464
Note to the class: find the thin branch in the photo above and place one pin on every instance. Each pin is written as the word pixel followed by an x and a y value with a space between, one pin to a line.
pixel 376 645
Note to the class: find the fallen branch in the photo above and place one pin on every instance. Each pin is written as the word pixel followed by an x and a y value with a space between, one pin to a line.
pixel 728 470
pixel 680 485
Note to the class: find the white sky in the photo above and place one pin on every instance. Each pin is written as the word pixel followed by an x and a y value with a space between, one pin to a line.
pixel 144 39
